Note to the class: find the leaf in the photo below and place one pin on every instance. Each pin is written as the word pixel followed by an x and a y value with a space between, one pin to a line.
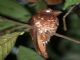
pixel 74 31
pixel 40 4
pixel 7 26
pixel 4 24
pixel 13 9
pixel 6 43
pixel 74 25
pixel 68 3
pixel 28 54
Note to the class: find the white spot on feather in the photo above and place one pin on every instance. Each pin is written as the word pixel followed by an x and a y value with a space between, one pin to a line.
pixel 38 24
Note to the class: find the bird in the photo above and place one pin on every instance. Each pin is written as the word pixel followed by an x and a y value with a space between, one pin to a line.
pixel 44 25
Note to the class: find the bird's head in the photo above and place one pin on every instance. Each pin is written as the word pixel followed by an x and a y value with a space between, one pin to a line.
pixel 50 11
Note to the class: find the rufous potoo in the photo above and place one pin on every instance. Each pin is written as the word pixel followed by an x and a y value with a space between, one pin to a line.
pixel 44 25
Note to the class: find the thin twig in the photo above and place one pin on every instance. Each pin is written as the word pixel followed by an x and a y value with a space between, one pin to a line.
pixel 18 24
pixel 68 38
pixel 13 20
pixel 6 30
pixel 12 29
pixel 24 27
pixel 64 17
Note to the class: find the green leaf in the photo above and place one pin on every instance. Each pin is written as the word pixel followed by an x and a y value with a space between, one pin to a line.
pixel 68 3
pixel 4 24
pixel 40 4
pixel 74 31
pixel 74 25
pixel 28 54
pixel 6 43
pixel 13 9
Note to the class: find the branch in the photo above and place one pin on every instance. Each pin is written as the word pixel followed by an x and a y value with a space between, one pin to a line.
pixel 15 21
pixel 64 17
pixel 68 38
pixel 18 24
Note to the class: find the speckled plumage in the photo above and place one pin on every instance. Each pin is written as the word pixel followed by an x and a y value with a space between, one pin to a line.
pixel 45 24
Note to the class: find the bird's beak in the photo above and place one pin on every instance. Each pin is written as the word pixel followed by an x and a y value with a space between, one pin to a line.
pixel 56 13
pixel 59 12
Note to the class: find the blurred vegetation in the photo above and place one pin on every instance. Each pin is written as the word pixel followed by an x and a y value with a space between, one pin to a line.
pixel 15 12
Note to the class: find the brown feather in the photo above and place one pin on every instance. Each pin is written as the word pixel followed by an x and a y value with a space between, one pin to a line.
pixel 44 25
